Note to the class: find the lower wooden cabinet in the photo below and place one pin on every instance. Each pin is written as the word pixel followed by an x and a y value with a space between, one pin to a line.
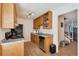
pixel 47 42
pixel 12 49
pixel 35 39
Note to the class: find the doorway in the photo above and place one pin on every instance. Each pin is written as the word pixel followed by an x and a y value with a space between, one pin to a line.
pixel 67 33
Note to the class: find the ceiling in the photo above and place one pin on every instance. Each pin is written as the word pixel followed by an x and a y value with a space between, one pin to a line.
pixel 71 15
pixel 37 9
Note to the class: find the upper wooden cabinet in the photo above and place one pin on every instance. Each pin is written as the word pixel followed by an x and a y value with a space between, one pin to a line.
pixel 47 20
pixel 35 24
pixel 44 20
pixel 8 15
pixel 0 15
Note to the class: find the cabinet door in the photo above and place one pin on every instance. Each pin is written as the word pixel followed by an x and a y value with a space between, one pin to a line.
pixel 50 20
pixel 37 40
pixel 40 22
pixel 35 24
pixel 0 50
pixel 47 20
pixel 0 15
pixel 33 38
pixel 47 42
pixel 8 15
pixel 13 49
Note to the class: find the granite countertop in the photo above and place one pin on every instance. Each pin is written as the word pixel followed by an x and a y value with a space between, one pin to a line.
pixel 4 41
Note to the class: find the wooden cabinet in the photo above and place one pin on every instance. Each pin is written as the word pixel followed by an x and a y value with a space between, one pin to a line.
pixel 8 15
pixel 0 16
pixel 12 49
pixel 40 22
pixel 47 42
pixel 47 20
pixel 44 20
pixel 37 23
pixel 35 39
pixel 0 50
pixel 34 24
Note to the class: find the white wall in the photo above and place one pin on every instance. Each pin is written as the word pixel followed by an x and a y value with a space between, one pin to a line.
pixel 23 19
pixel 61 29
pixel 27 27
pixel 60 11
pixel 68 23
pixel 2 33
pixel 72 23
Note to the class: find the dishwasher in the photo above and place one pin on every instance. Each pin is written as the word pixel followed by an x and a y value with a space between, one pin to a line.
pixel 41 42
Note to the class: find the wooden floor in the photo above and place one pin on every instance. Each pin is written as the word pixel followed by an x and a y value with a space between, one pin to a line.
pixel 71 50
pixel 30 49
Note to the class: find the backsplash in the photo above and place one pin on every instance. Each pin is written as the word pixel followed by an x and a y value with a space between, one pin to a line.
pixel 2 33
pixel 45 31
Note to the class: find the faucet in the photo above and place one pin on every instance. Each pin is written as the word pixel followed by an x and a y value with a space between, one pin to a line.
pixel 37 31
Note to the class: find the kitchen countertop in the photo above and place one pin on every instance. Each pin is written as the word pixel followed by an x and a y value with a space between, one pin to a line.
pixel 43 35
pixel 10 41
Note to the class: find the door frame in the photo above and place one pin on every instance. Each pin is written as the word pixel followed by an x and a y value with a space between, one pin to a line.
pixel 77 25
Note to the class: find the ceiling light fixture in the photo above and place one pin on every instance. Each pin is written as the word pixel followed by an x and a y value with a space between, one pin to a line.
pixel 30 14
